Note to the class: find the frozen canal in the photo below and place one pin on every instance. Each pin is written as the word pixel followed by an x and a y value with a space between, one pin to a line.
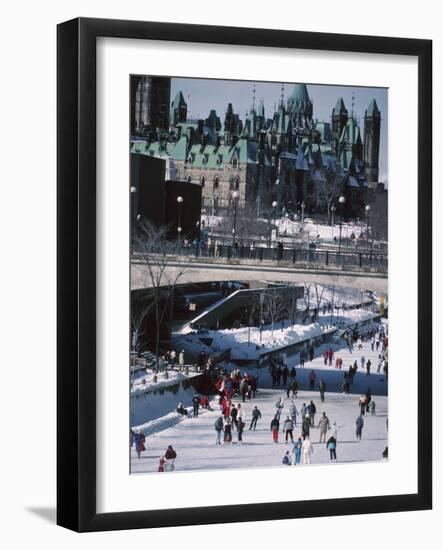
pixel 194 438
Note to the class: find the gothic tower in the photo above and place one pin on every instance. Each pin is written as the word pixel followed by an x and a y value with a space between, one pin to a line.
pixel 372 141
pixel 150 99
pixel 339 119
pixel 179 109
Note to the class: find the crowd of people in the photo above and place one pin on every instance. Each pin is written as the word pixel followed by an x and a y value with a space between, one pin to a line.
pixel 234 390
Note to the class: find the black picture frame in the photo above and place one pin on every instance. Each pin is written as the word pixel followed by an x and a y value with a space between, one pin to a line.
pixel 76 267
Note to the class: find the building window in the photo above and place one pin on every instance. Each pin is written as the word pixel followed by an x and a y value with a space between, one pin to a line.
pixel 189 179
pixel 216 182
pixel 237 183
pixel 234 162
pixel 202 181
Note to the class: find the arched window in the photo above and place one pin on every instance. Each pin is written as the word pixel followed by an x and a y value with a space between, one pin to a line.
pixel 216 182
pixel 237 183
pixel 234 162
pixel 189 179
pixel 202 181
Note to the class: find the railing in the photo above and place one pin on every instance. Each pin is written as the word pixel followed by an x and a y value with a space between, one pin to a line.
pixel 360 260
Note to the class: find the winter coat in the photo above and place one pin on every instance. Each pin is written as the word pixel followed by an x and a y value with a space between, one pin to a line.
pixel 170 453
pixel 288 425
pixel 332 443
pixel 139 442
pixel 286 460
pixel 323 424
pixel 234 413
pixel 256 413
pixel 275 424
pixel 311 409
pixel 359 423
pixel 307 447
pixel 218 424
pixel 297 447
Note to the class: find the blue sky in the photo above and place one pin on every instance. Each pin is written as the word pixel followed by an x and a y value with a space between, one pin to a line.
pixel 204 94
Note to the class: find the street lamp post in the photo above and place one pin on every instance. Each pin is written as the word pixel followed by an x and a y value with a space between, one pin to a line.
pixel 332 218
pixel 179 218
pixel 367 209
pixel 274 212
pixel 342 201
pixel 234 228
pixel 303 206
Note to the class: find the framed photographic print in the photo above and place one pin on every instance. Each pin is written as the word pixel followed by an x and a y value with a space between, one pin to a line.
pixel 244 274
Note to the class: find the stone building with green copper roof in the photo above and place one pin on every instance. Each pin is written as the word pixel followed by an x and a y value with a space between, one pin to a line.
pixel 288 157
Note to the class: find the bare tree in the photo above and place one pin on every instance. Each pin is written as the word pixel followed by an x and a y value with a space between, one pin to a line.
pixel 274 306
pixel 153 250
pixel 331 187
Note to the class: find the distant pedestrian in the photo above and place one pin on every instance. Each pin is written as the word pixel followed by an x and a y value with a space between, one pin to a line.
pixel 228 431
pixel 297 451
pixel 368 367
pixel 139 439
pixel 331 445
pixel 306 426
pixel 218 429
pixel 256 414
pixel 323 426
pixel 240 428
pixel 287 459
pixel 312 409
pixel 322 389
pixel 288 428
pixel 372 407
pixel 359 423
pixel 275 426
pixel 307 449
pixel 312 379
pixel 196 404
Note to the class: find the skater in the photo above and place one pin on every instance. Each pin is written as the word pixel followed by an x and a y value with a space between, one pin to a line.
pixel 312 409
pixel 161 464
pixel 139 439
pixel 331 445
pixel 294 387
pixel 239 413
pixel 244 389
pixel 196 404
pixel 240 428
pixel 293 412
pixel 368 396
pixel 285 374
pixel 256 414
pixel 287 459
pixel 334 430
pixel 275 426
pixel 307 449
pixel 368 367
pixel 322 389
pixel 362 404
pixel 170 456
pixel 293 373
pixel 303 411
pixel 362 361
pixel 279 407
pixel 218 429
pixel 228 431
pixel 359 423
pixel 372 407
pixel 306 426
pixel 288 428
pixel 297 451
pixel 312 379
pixel 302 358
pixel 234 412
pixel 323 426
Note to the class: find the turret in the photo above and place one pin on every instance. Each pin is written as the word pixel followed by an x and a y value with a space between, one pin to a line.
pixel 372 141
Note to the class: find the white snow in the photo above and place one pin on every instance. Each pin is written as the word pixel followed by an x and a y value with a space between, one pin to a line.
pixel 144 381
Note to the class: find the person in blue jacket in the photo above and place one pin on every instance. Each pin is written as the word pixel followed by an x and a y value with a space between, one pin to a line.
pixel 297 451
pixel 331 445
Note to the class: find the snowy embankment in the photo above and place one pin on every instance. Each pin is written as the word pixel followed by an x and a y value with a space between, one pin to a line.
pixel 247 343
pixel 144 382
pixel 154 409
